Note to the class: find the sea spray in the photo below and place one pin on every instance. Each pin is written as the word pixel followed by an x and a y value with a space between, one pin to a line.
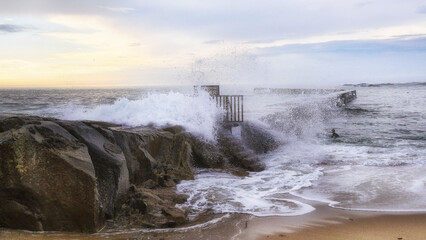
pixel 197 114
pixel 377 163
pixel 291 167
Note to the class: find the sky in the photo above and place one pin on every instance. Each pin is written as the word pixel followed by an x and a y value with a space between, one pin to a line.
pixel 79 43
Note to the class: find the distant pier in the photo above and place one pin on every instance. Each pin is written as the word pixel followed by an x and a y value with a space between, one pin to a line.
pixel 232 104
pixel 346 97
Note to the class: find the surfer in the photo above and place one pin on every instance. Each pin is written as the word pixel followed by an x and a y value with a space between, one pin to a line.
pixel 334 134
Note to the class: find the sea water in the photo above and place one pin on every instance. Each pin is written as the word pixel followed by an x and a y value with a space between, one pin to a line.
pixel 378 163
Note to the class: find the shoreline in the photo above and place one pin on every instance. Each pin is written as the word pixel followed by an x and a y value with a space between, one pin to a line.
pixel 323 223
pixel 339 224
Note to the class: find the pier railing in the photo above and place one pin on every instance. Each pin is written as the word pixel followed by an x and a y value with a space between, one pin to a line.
pixel 233 106
pixel 347 97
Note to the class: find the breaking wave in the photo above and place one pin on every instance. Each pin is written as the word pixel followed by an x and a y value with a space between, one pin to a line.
pixel 197 114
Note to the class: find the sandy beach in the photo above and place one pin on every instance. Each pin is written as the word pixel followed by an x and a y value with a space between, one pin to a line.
pixel 323 223
pixel 335 224
pixel 382 227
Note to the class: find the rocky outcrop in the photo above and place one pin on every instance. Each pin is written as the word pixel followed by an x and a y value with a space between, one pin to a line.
pixel 108 161
pixel 256 138
pixel 73 175
pixel 47 178
pixel 237 154
pixel 152 208
pixel 228 152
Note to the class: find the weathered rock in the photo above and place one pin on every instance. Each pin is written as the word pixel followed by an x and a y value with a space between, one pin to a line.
pixel 230 151
pixel 257 139
pixel 152 208
pixel 237 153
pixel 139 161
pixel 108 160
pixel 72 175
pixel 172 153
pixel 206 154
pixel 47 178
pixel 157 155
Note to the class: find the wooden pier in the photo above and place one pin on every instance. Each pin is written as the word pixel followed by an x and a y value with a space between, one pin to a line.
pixel 346 97
pixel 232 104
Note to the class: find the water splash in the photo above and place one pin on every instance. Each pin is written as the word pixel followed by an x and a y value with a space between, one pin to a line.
pixel 197 114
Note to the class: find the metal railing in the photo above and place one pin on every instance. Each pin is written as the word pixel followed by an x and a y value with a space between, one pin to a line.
pixel 233 106
pixel 346 97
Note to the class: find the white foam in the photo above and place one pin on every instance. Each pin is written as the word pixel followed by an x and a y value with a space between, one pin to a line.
pixel 259 194
pixel 366 188
pixel 166 230
pixel 197 114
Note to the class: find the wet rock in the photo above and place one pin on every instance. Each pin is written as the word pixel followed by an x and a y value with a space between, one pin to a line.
pixel 152 208
pixel 150 184
pixel 109 163
pixel 73 175
pixel 206 154
pixel 60 175
pixel 178 215
pixel 47 178
pixel 155 155
pixel 139 161
pixel 227 152
pixel 257 139
pixel 237 153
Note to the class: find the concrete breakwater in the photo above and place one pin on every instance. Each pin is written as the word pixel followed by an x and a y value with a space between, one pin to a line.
pixel 58 175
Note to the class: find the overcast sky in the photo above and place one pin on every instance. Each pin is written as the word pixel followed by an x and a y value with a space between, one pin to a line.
pixel 276 43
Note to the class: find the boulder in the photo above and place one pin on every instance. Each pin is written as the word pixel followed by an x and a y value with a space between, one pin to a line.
pixel 47 178
pixel 172 153
pixel 58 175
pixel 206 154
pixel 156 155
pixel 228 152
pixel 139 161
pixel 255 137
pixel 152 208
pixel 108 160
pixel 237 154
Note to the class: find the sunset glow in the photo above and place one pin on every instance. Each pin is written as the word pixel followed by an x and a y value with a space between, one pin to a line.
pixel 99 43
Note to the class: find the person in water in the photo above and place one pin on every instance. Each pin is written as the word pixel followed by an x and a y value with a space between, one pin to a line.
pixel 334 134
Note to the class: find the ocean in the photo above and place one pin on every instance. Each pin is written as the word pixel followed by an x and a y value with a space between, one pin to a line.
pixel 377 164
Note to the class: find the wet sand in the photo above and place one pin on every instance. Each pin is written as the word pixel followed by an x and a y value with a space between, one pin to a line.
pixel 222 227
pixel 323 223
pixel 334 224
pixel 398 227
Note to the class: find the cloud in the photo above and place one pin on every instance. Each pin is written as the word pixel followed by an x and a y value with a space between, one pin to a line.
pixel 213 41
pixel 118 9
pixel 99 36
pixel 402 44
pixel 10 28
pixel 363 4
pixel 249 21
pixel 401 32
